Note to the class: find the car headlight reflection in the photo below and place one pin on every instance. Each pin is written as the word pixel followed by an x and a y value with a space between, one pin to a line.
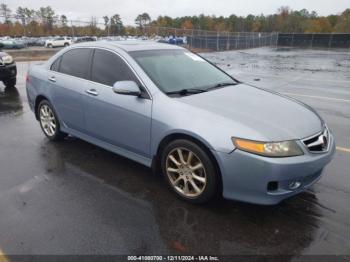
pixel 269 149
pixel 7 59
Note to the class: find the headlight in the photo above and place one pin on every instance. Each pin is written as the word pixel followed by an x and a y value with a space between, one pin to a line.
pixel 7 59
pixel 273 149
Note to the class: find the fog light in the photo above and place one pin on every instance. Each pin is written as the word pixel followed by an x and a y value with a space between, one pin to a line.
pixel 294 185
pixel 272 186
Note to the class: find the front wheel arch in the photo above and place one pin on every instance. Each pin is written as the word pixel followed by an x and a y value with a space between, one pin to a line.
pixel 156 161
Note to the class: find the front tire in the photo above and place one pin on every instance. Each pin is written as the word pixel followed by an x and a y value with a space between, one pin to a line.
pixel 189 171
pixel 49 122
pixel 9 83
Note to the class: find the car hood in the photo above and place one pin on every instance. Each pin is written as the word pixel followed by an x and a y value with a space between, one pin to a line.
pixel 273 116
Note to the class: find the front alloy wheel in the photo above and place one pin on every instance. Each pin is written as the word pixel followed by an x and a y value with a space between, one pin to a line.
pixel 190 171
pixel 186 172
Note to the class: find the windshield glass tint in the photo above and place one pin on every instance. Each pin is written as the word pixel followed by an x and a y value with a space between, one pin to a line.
pixel 175 70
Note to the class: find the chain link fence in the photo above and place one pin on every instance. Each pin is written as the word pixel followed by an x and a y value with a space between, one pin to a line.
pixel 221 41
pixel 336 40
pixel 214 40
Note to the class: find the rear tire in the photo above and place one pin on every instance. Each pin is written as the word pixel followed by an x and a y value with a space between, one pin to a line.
pixel 190 171
pixel 66 44
pixel 49 122
pixel 10 83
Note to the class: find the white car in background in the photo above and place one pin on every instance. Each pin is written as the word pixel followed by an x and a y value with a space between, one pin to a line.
pixel 58 42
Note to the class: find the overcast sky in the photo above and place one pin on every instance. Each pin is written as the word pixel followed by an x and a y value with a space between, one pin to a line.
pixel 128 9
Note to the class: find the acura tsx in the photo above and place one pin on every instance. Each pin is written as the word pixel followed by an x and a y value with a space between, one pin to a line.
pixel 170 109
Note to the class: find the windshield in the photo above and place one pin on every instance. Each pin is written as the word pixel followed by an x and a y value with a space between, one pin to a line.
pixel 178 70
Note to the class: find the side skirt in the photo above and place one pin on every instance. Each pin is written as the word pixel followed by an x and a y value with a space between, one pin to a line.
pixel 118 150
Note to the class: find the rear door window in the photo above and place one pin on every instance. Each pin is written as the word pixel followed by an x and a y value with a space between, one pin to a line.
pixel 76 62
pixel 56 65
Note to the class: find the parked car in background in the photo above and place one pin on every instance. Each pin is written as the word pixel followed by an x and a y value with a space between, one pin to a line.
pixel 172 40
pixel 58 42
pixel 29 41
pixel 34 41
pixel 41 41
pixel 85 39
pixel 13 44
pixel 8 69
pixel 170 109
pixel 176 41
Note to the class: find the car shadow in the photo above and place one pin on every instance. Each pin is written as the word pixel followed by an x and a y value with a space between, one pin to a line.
pixel 220 227
pixel 10 101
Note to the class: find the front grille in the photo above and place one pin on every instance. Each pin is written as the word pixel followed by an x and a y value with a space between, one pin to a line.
pixel 318 143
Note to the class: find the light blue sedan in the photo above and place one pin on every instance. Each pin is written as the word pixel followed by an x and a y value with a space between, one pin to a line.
pixel 169 109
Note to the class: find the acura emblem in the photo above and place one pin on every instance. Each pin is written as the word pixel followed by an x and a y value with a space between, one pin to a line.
pixel 321 143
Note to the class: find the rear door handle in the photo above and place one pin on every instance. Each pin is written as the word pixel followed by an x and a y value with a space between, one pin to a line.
pixel 92 92
pixel 52 79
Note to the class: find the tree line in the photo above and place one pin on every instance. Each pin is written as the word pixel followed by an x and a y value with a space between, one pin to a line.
pixel 285 20
pixel 45 21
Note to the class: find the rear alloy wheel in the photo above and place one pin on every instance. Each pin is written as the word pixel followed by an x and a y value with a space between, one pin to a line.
pixel 189 171
pixel 49 122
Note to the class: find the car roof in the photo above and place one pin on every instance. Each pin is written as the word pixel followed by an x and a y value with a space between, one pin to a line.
pixel 129 46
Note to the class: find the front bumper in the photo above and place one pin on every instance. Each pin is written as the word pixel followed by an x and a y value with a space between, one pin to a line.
pixel 262 180
pixel 8 71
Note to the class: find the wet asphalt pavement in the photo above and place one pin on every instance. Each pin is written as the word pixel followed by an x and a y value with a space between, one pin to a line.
pixel 74 198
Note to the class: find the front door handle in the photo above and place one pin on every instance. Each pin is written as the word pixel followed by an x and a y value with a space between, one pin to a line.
pixel 92 92
pixel 52 79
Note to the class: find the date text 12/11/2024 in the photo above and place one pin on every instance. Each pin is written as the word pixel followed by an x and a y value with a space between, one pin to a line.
pixel 173 258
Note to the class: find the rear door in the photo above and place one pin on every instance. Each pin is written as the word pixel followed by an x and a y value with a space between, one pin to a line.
pixel 67 77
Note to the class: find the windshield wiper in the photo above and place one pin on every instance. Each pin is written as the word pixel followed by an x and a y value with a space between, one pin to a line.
pixel 219 85
pixel 188 91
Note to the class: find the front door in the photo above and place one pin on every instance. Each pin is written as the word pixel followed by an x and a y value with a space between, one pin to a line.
pixel 121 120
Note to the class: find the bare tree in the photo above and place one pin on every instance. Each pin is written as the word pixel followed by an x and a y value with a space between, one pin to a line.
pixel 20 14
pixel 29 14
pixel 106 23
pixel 63 20
pixel 138 20
pixel 5 12
pixel 47 17
pixel 142 19
pixel 116 24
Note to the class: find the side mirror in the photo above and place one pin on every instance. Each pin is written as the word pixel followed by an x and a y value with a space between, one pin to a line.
pixel 126 88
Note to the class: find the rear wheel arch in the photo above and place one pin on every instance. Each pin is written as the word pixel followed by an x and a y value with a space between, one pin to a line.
pixel 38 99
pixel 156 161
